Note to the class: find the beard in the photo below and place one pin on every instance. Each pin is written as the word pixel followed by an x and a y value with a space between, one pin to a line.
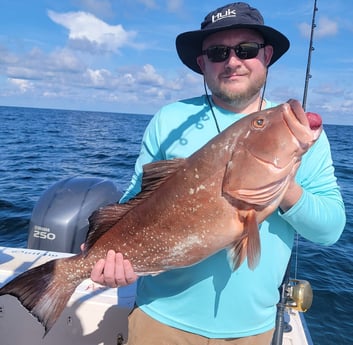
pixel 240 97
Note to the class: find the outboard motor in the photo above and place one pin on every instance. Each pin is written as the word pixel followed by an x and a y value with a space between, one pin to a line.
pixel 59 220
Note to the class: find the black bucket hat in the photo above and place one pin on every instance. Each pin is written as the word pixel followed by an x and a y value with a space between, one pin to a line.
pixel 238 15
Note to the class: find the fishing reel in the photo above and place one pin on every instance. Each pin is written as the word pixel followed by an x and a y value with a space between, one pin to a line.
pixel 295 294
pixel 299 295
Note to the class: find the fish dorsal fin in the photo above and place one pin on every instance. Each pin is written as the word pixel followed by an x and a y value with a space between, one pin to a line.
pixel 248 245
pixel 104 219
pixel 154 175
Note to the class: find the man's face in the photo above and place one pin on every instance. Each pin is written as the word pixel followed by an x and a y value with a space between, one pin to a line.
pixel 235 81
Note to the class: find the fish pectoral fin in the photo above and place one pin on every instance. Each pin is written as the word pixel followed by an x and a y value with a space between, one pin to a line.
pixel 248 245
pixel 254 247
pixel 237 252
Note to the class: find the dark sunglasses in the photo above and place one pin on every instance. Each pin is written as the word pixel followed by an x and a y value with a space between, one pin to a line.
pixel 243 51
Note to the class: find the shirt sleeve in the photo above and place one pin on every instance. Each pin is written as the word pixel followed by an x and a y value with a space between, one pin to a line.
pixel 319 215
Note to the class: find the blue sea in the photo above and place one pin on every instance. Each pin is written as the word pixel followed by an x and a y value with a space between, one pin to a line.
pixel 39 147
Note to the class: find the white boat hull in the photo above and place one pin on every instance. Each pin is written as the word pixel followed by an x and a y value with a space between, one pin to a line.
pixel 94 315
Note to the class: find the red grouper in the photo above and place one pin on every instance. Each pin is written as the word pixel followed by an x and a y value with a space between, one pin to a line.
pixel 188 209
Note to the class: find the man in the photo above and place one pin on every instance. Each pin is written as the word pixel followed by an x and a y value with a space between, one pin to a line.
pixel 208 303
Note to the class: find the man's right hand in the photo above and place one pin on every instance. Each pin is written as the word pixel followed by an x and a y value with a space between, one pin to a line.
pixel 113 271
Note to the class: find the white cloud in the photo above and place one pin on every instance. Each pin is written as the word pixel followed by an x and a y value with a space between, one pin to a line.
pixel 58 65
pixel 98 78
pixel 174 5
pixel 148 75
pixel 21 84
pixel 22 72
pixel 87 32
pixel 329 89
pixel 157 93
pixel 7 57
pixel 64 60
pixel 325 27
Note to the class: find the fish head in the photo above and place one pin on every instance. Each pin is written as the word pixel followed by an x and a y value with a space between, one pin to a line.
pixel 267 153
pixel 279 135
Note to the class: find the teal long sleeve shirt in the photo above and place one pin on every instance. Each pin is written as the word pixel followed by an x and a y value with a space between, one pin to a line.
pixel 208 298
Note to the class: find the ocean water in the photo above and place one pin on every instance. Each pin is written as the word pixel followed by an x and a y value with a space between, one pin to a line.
pixel 39 147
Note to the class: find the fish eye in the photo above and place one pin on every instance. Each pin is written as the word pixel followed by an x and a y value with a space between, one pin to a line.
pixel 259 122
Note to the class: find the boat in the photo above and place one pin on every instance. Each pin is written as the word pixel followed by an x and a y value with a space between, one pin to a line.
pixel 95 314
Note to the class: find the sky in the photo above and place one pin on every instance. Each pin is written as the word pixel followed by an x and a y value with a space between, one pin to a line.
pixel 119 55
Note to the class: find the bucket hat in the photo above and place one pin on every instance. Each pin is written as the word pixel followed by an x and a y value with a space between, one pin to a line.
pixel 238 15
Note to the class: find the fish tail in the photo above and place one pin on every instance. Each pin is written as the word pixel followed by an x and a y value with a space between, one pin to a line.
pixel 248 245
pixel 43 290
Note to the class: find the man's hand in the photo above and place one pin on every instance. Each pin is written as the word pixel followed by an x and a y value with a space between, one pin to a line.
pixel 291 197
pixel 113 271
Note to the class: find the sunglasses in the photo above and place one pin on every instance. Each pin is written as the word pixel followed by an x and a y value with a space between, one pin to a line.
pixel 244 51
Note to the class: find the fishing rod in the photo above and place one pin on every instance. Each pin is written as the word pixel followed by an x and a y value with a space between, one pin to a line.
pixel 295 294
pixel 305 93
pixel 308 65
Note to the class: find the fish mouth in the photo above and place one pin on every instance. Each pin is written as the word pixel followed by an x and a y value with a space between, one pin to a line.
pixel 305 127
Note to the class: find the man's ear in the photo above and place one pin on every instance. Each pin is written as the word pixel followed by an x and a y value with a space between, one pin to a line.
pixel 201 62
pixel 268 54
